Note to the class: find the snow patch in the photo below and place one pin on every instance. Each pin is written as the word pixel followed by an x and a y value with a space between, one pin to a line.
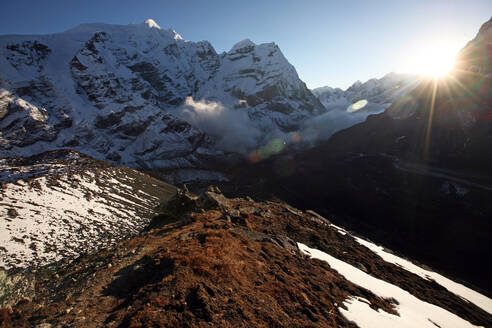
pixel 470 295
pixel 339 229
pixel 412 311
pixel 151 24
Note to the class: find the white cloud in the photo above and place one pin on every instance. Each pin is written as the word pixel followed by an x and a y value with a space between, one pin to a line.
pixel 233 127
pixel 237 132
pixel 323 126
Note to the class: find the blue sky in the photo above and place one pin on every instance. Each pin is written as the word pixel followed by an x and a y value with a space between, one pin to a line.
pixel 329 42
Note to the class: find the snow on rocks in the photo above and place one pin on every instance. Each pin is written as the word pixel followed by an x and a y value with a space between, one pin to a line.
pixel 470 295
pixel 379 93
pixel 152 24
pixel 413 312
pixel 58 214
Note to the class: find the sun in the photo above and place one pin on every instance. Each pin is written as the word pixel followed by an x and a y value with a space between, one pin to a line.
pixel 437 61
pixel 434 60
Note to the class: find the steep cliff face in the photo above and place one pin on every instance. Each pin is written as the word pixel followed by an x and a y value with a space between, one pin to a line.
pixel 115 92
pixel 105 90
pixel 259 79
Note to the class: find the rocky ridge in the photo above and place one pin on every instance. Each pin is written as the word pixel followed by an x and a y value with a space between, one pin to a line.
pixel 62 204
pixel 210 260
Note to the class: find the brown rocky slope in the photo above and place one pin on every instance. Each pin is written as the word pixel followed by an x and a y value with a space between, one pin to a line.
pixel 212 261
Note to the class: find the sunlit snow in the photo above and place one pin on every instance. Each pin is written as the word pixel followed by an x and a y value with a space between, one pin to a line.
pixel 476 298
pixel 412 311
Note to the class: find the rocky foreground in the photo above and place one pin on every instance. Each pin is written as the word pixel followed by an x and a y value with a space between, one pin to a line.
pixel 213 261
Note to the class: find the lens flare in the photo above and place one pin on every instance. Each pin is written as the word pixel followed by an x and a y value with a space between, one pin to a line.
pixel 254 157
pixel 297 137
pixel 357 106
pixel 274 147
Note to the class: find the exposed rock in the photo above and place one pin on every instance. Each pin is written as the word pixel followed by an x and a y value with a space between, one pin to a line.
pixel 318 217
pixel 16 286
pixel 181 204
pixel 12 212
pixel 28 53
pixel 284 242
pixel 212 198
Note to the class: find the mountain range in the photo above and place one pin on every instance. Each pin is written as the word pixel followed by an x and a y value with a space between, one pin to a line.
pixel 379 93
pixel 124 93
pixel 142 96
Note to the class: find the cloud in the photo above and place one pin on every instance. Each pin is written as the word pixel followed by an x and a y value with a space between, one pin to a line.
pixel 237 132
pixel 323 126
pixel 233 128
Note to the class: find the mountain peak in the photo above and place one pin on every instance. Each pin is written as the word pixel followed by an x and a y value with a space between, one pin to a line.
pixel 356 84
pixel 174 34
pixel 243 44
pixel 151 24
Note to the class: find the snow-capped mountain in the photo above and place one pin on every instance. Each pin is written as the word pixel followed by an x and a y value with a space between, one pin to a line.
pixel 261 79
pixel 114 92
pixel 354 105
pixel 379 93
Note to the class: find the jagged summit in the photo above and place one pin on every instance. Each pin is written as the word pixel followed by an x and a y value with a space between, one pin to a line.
pixel 243 44
pixel 379 93
pixel 175 34
pixel 151 24
pixel 357 84
pixel 146 27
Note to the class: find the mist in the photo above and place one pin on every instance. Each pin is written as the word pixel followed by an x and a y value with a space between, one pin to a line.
pixel 237 132
pixel 323 126
pixel 233 128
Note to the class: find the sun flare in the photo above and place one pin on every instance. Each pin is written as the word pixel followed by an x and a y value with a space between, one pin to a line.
pixel 435 60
